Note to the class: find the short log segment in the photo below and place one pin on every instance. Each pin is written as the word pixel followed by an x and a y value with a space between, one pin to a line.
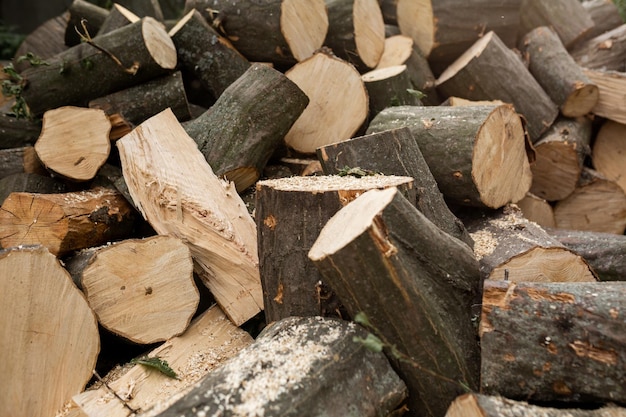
pixel 118 16
pixel 239 133
pixel 479 405
pixel 48 334
pixel 610 101
pixel 210 57
pixel 509 247
pixel 568 18
pixel 483 148
pixel 390 86
pixel 569 332
pixel 395 152
pixel 299 366
pixel 425 284
pixel 608 150
pixel 178 193
pixel 84 72
pixel 74 142
pixel 290 214
pixel 356 31
pixel 557 72
pixel 604 52
pixel 279 31
pixel 141 290
pixel 65 222
pixel 466 78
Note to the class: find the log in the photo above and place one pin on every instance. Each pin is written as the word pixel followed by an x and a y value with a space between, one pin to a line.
pixel 568 18
pixel 125 112
pixel 338 102
pixel 118 16
pixel 610 101
pixel 44 42
pixel 356 31
pixel 479 405
pixel 537 210
pixel 608 146
pixel 177 192
pixel 425 284
pixel 140 289
pixel 85 72
pixel 210 57
pixel 48 334
pixel 474 141
pixel 144 8
pixel 290 213
pixel 74 142
pixel 597 204
pixel 604 52
pixel 241 131
pixel 280 31
pixel 30 183
pixel 20 160
pixel 557 72
pixel 395 152
pixel 560 154
pixel 605 252
pixel 568 333
pixel 82 10
pixel 18 132
pixel 210 340
pixel 387 87
pixel 466 78
pixel 299 366
pixel 605 16
pixel 65 222
pixel 509 247
pixel 443 30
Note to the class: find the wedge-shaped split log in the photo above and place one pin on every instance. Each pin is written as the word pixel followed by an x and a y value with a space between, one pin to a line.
pixel 415 284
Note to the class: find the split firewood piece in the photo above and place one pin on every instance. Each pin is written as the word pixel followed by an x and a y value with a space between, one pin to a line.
pixel 597 204
pixel 483 146
pixel 290 213
pixel 559 158
pixel 125 112
pixel 18 133
pixel 489 55
pixel 605 252
pixel 177 192
pixel 20 160
pixel 557 72
pixel 537 210
pixel 287 371
pixel 509 247
pixel 479 405
pixel 570 332
pixel 401 50
pixel 610 101
pixel 390 86
pixel 74 142
pixel 144 8
pixel 279 31
pixel 118 16
pixel 48 334
pixel 425 284
pixel 608 152
pixel 241 131
pixel 604 52
pixel 440 29
pixel 135 53
pixel 30 183
pixel 203 52
pixel 65 222
pixel 339 102
pixel 83 11
pixel 141 290
pixel 395 152
pixel 605 16
pixel 44 42
pixel 209 341
pixel 568 18
pixel 356 31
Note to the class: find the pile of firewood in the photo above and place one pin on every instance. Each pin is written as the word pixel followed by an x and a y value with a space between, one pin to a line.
pixel 422 203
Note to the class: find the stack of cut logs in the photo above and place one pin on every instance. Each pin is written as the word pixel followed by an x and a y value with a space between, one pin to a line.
pixel 422 204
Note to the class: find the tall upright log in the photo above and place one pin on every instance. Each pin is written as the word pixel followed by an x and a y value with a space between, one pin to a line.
pixel 568 18
pixel 425 284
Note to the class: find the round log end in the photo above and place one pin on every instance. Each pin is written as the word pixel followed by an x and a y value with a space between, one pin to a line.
pixel 369 31
pixel 398 50
pixel 608 150
pixel 416 20
pixel 304 25
pixel 556 170
pixel 243 177
pixel 159 43
pixel 581 101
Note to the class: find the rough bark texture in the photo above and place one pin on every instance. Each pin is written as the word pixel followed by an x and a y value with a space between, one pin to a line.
pixel 605 16
pixel 17 133
pixel 30 183
pixel 604 52
pixel 93 15
pixel 20 160
pixel 568 18
pixel 388 87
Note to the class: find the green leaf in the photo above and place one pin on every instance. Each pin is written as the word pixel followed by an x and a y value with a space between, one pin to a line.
pixel 361 318
pixel 371 342
pixel 156 363
pixel 416 93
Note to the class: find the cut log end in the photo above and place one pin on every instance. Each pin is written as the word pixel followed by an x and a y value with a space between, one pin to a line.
pixel 304 26
pixel 581 101
pixel 369 31
pixel 159 44
pixel 383 73
pixel 464 59
pixel 555 171
pixel 416 20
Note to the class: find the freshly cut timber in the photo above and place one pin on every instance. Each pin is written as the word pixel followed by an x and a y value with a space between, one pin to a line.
pixel 569 333
pixel 610 101
pixel 476 153
pixel 142 290
pixel 48 334
pixel 390 86
pixel 177 192
pixel 74 142
pixel 466 78
pixel 604 52
pixel 511 248
pixel 279 31
pixel 537 210
pixel 415 284
pixel 569 18
pixel 558 73
pixel 288 369
pixel 608 152
pixel 338 102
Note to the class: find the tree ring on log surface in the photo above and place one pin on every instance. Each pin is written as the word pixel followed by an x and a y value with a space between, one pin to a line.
pixel 159 43
pixel 303 43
